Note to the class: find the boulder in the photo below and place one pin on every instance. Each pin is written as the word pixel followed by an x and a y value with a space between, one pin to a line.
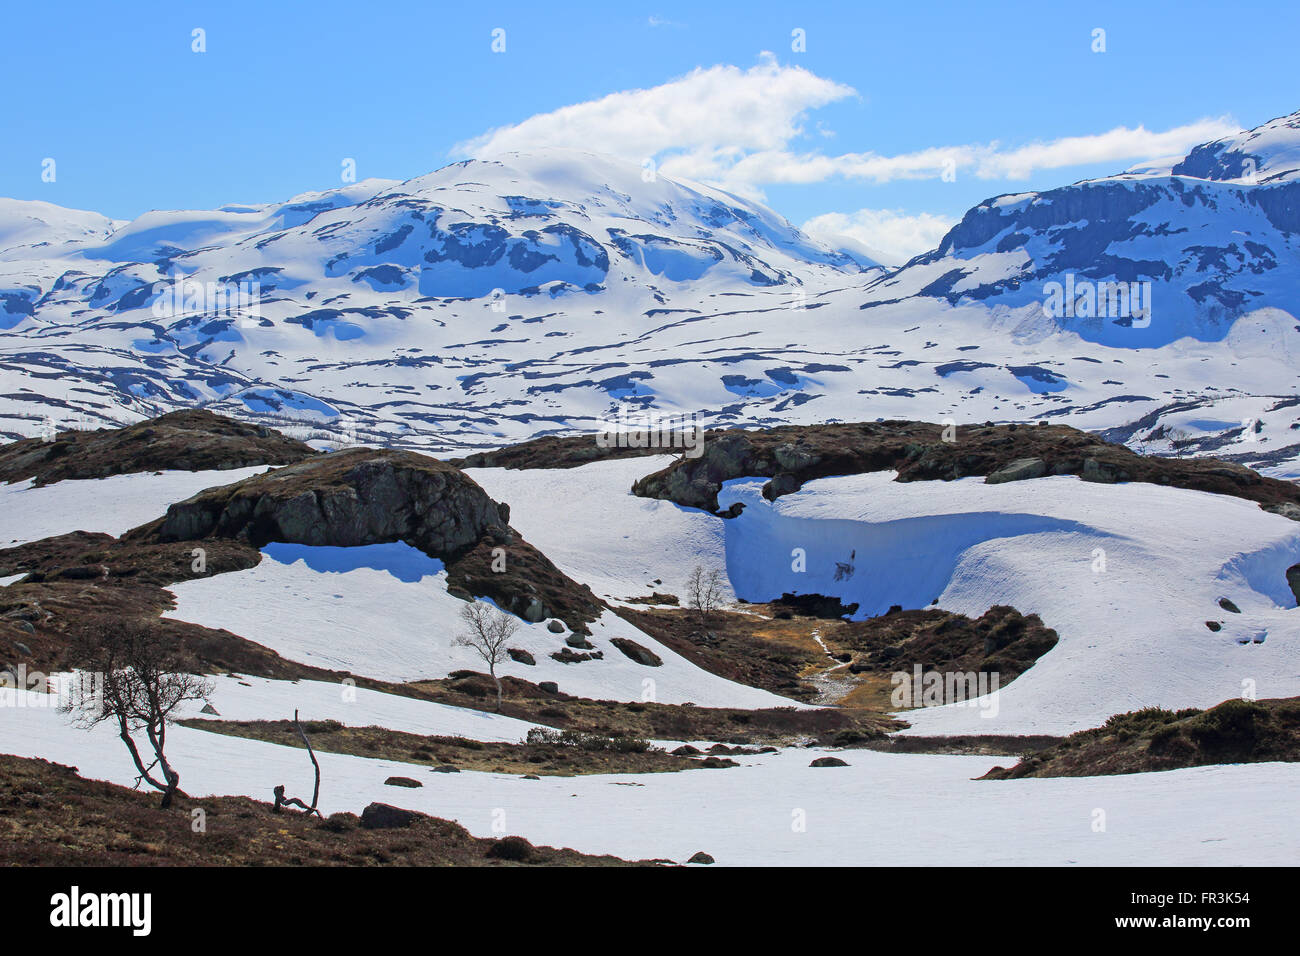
pixel 701 857
pixel 521 656
pixel 642 655
pixel 382 816
pixel 580 642
pixel 555 626
pixel 1021 469
pixel 828 762
pixel 549 686
pixel 350 498
pixel 402 782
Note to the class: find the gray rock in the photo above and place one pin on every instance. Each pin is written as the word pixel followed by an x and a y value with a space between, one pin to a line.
pixel 209 710
pixel 1286 509
pixel 446 768
pixel 1094 470
pixel 578 641
pixel 350 498
pixel 1021 469
pixel 555 627
pixel 535 612
pixel 521 656
pixel 701 857
pixel 402 782
pixel 549 686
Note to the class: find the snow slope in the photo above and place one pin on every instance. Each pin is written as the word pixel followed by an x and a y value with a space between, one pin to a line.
pixel 358 609
pixel 884 809
pixel 1131 616
pixel 109 505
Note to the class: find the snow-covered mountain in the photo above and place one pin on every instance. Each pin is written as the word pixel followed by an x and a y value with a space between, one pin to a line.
pixel 1212 234
pixel 493 301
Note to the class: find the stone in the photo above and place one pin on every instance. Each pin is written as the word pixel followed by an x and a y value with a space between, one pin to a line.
pixel 642 655
pixel 402 782
pixel 382 816
pixel 701 857
pixel 555 626
pixel 549 686
pixel 521 656
pixel 1022 469
pixel 828 762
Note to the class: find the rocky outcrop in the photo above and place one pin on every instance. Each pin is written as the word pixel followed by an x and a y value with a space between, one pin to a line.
pixel 791 455
pixel 642 655
pixel 357 497
pixel 190 440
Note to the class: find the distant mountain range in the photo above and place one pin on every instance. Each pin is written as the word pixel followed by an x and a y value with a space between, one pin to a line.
pixel 492 301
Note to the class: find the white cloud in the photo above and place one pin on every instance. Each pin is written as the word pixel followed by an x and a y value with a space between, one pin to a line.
pixel 736 128
pixel 723 111
pixel 889 236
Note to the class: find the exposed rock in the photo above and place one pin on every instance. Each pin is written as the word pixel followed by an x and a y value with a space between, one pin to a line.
pixel 1021 469
pixel 513 848
pixel 382 816
pixel 579 642
pixel 189 440
pixel 1228 606
pixel 521 656
pixel 534 612
pixel 701 857
pixel 717 763
pixel 549 686
pixel 1101 471
pixel 567 656
pixel 1214 626
pixel 686 750
pixel 1293 581
pixel 828 762
pixel 445 768
pixel 642 655
pixel 357 497
pixel 555 626
pixel 402 782
pixel 209 710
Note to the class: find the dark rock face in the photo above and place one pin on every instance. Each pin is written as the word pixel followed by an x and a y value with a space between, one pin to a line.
pixel 191 440
pixel 701 857
pixel 791 455
pixel 642 655
pixel 357 497
pixel 382 816
pixel 1293 581
pixel 521 656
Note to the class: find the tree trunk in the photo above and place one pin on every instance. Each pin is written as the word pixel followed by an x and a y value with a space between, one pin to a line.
pixel 493 672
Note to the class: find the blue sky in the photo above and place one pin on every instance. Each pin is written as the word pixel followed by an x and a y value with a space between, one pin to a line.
pixel 285 91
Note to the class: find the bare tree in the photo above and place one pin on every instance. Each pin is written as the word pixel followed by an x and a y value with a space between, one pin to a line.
pixel 704 591
pixel 487 630
pixel 134 685
pixel 281 800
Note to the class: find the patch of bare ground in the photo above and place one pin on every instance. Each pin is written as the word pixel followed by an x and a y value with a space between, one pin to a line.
pixel 543 753
pixel 1236 731
pixel 1001 641
pixel 50 816
pixel 776 726
pixel 755 649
